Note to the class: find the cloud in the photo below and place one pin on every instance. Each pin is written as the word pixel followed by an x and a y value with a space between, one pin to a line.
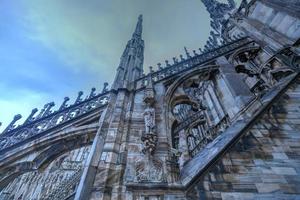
pixel 95 33
pixel 53 48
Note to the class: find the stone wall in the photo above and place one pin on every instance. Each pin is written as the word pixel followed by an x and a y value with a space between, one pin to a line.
pixel 40 184
pixel 265 163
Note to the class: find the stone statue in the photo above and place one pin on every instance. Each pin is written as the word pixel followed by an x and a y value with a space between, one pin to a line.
pixel 149 117
pixel 150 137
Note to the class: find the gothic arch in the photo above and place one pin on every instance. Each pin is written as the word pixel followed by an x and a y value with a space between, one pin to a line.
pixel 58 180
pixel 252 49
pixel 203 70
pixel 12 172
pixel 172 99
pixel 49 150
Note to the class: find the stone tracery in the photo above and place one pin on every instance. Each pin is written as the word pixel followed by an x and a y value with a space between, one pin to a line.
pixel 198 113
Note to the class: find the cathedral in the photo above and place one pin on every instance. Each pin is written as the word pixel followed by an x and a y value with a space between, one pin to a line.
pixel 219 122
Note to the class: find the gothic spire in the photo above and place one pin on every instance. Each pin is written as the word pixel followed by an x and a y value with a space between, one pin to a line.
pixel 219 13
pixel 139 28
pixel 218 10
pixel 131 63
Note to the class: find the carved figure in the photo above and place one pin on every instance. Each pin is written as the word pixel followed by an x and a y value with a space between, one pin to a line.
pixel 149 141
pixel 149 170
pixel 149 118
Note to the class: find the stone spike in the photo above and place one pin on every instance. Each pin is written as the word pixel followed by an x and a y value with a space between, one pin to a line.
pixel 175 60
pixel 11 125
pixel 105 89
pixel 42 111
pixel 167 63
pixel 139 27
pixel 30 117
pixel 92 94
pixel 159 66
pixel 78 99
pixel 48 109
pixel 181 57
pixel 187 53
pixel 64 104
pixel 195 53
pixel 151 69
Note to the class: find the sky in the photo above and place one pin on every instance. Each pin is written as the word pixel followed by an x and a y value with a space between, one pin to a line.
pixel 54 48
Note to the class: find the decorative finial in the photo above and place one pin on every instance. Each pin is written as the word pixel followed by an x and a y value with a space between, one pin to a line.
pixel 42 111
pixel 30 117
pixel 187 53
pixel 105 85
pixel 167 63
pixel 92 93
pixel 159 66
pixel 195 53
pixel 78 99
pixel 151 69
pixel 64 104
pixel 175 60
pixel 11 125
pixel 149 91
pixel 48 109
pixel 139 27
pixel 181 57
pixel 206 47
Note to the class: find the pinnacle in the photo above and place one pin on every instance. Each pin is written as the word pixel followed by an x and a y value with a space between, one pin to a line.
pixel 139 27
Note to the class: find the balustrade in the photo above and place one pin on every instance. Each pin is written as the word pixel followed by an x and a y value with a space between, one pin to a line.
pixel 192 61
pixel 48 119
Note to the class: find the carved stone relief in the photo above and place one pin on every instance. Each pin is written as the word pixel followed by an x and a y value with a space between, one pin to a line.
pixel 58 180
pixel 149 170
pixel 150 137
pixel 200 116
pixel 260 79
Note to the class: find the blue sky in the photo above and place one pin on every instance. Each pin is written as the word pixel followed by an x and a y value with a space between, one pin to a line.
pixel 54 48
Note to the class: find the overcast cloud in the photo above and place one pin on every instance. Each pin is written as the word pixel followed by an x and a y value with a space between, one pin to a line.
pixel 54 48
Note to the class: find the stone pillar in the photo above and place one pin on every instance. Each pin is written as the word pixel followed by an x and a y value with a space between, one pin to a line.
pixel 183 149
pixel 90 169
pixel 236 94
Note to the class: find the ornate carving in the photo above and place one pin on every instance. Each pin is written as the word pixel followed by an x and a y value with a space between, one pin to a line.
pixel 205 56
pixel 197 117
pixel 48 119
pixel 150 137
pixel 65 188
pixel 260 79
pixel 149 118
pixel 149 170
pixel 150 141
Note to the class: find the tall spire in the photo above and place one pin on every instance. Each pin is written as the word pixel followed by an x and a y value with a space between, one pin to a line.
pixel 131 63
pixel 139 27
pixel 219 12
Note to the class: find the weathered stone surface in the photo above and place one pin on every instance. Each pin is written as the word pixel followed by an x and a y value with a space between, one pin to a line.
pixel 218 124
pixel 262 161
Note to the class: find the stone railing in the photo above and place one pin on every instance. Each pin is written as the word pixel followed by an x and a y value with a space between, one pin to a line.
pixel 47 120
pixel 179 67
pixel 197 117
pixel 211 134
